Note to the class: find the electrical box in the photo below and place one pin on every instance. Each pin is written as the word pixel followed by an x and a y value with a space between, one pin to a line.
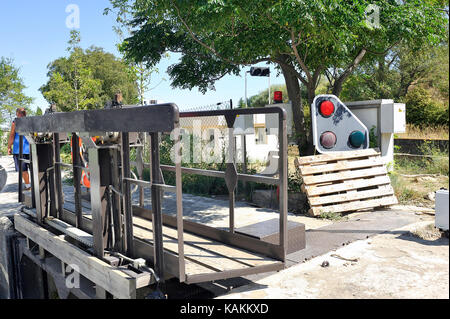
pixel 441 207
pixel 393 118
pixel 244 125
pixel 272 119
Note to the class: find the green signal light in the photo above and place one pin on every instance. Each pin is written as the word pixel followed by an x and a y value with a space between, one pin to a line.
pixel 356 139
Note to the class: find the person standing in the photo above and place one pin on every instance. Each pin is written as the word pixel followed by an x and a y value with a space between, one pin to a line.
pixel 13 149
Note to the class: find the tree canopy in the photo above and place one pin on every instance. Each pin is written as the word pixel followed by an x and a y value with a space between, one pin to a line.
pixel 11 91
pixel 217 37
pixel 87 79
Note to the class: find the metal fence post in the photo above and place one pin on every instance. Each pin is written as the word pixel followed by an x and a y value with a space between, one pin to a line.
pixel 76 162
pixel 127 207
pixel 98 164
pixel 283 180
pixel 156 207
pixel 57 172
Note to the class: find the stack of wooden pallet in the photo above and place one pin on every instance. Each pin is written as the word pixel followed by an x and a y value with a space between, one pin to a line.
pixel 345 181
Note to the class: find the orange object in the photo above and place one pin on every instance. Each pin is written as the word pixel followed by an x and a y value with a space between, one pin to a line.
pixel 84 177
pixel 85 180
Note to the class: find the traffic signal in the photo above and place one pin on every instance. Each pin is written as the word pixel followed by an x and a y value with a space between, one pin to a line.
pixel 259 71
pixel 335 127
pixel 277 97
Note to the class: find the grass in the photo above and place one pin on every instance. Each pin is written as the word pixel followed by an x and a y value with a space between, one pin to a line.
pixel 429 232
pixel 332 216
pixel 413 190
pixel 436 163
pixel 439 132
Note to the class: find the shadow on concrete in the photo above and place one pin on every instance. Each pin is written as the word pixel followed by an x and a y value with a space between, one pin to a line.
pixel 198 208
pixel 408 236
pixel 9 199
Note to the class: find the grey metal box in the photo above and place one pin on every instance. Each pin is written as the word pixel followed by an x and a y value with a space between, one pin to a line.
pixel 269 231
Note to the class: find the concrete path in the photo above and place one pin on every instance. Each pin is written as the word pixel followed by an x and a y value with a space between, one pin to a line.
pixel 395 264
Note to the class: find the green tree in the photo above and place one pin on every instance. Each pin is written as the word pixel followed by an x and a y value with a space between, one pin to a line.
pixel 38 111
pixel 114 74
pixel 391 75
pixel 417 77
pixel 261 99
pixel 71 83
pixel 87 79
pixel 304 39
pixel 142 72
pixel 11 91
pixel 143 76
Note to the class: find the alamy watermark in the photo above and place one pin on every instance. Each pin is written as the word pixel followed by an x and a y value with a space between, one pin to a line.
pixel 73 18
pixel 215 145
pixel 372 13
pixel 72 274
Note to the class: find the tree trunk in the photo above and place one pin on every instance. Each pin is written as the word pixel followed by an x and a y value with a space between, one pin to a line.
pixel 338 86
pixel 301 133
pixel 339 82
pixel 311 95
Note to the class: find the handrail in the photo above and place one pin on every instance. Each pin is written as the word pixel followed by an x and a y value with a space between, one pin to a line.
pixel 278 251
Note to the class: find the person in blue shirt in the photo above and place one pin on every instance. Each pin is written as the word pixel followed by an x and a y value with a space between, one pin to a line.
pixel 13 149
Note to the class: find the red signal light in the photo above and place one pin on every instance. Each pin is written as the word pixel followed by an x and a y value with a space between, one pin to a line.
pixel 278 97
pixel 326 108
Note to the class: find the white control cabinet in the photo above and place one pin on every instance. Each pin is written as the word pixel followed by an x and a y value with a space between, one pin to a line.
pixel 441 217
pixel 393 118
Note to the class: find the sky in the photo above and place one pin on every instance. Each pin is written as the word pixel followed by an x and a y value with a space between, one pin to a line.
pixel 34 33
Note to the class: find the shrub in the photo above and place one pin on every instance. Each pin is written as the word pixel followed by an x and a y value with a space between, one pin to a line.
pixel 423 110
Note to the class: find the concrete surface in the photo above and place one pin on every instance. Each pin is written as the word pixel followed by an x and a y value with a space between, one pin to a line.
pixel 395 264
pixel 355 227
pixel 8 196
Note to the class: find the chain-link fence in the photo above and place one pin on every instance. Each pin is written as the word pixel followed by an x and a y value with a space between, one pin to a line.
pixel 209 129
pixel 225 105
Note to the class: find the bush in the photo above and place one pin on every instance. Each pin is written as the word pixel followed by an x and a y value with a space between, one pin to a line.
pixel 191 183
pixel 205 185
pixel 66 153
pixel 423 110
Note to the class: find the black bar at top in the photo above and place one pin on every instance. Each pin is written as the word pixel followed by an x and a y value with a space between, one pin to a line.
pixel 154 118
pixel 258 110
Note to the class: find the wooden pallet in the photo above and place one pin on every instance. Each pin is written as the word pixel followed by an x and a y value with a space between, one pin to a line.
pixel 345 181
